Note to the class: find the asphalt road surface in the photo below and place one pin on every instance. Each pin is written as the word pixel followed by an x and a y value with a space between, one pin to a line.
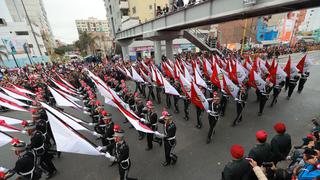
pixel 197 160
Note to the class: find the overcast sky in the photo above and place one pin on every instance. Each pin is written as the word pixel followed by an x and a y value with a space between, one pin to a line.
pixel 63 13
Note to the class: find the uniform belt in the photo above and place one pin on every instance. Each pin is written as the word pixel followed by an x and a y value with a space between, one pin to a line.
pixel 27 173
pixel 127 160
pixel 110 139
pixel 42 146
pixel 171 138
pixel 154 124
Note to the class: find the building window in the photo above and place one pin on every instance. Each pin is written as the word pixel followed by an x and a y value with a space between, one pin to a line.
pixel 22 33
pixel 133 10
pixel 150 7
pixel 110 9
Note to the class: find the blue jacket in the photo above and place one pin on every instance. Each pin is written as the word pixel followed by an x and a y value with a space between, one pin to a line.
pixel 308 173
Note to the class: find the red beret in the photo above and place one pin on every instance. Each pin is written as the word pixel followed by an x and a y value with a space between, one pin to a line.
pixel 280 128
pixel 98 103
pixel 116 128
pixel 2 174
pixel 261 135
pixel 237 151
pixel 104 113
pixel 310 136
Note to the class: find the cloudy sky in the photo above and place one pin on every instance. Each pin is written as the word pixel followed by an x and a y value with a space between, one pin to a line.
pixel 63 13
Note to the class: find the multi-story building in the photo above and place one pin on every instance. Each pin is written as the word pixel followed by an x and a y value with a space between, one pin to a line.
pixel 99 31
pixel 92 25
pixel 21 43
pixel 123 14
pixel 35 10
pixel 311 21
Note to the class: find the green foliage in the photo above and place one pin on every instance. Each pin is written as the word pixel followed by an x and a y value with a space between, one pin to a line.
pixel 86 42
pixel 63 49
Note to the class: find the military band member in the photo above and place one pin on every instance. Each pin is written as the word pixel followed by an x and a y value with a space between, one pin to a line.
pixel 240 103
pixel 223 102
pixel 292 84
pixel 169 138
pixel 276 91
pixel 151 121
pixel 176 98
pixel 303 80
pixel 213 115
pixel 265 96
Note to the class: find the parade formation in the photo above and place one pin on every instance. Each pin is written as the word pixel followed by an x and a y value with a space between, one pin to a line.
pixel 207 82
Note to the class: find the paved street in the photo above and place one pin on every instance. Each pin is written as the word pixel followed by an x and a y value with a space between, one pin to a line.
pixel 197 160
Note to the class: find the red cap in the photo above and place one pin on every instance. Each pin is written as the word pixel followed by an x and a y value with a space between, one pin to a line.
pixel 125 90
pixel 104 113
pixel 15 141
pixel 136 94
pixel 237 151
pixel 91 97
pixel 98 103
pixel 280 128
pixel 149 103
pixel 310 136
pixel 261 135
pixel 165 113
pixel 122 81
pixel 33 111
pixel 24 123
pixel 2 174
pixel 116 128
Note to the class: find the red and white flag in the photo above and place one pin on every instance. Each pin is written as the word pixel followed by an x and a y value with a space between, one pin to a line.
pixel 16 94
pixel 63 87
pixel 167 70
pixel 68 96
pixel 4 139
pixel 66 82
pixel 187 74
pixel 145 76
pixel 23 90
pixel 68 139
pixel 216 77
pixel 185 86
pixel 229 87
pixel 63 101
pixel 207 68
pixel 11 105
pixel 198 79
pixel 198 98
pixel 256 81
pixel 277 75
pixel 136 76
pixel 304 64
pixel 9 98
pixel 5 127
pixel 127 72
pixel 11 121
pixel 169 89
pixel 238 73
pixel 290 69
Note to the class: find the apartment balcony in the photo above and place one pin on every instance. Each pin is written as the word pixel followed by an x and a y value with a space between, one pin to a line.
pixel 124 5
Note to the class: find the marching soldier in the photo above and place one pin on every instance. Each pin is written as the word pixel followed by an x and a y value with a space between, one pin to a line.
pixel 264 96
pixel 276 91
pixel 213 116
pixel 240 102
pixel 37 144
pixel 169 138
pixel 26 166
pixel 121 155
pixel 158 91
pixel 176 98
pixel 292 84
pixel 303 79
pixel 223 102
pixel 261 152
pixel 151 122
pixel 139 111
pixel 186 103
pixel 150 93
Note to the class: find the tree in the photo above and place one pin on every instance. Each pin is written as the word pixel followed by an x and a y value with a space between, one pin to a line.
pixel 86 42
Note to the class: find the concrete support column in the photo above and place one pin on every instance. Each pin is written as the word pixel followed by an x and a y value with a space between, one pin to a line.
pixel 169 52
pixel 125 48
pixel 157 52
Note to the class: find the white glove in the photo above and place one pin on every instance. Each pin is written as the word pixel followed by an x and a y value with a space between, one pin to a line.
pixel 112 158
pixel 143 120
pixel 236 99
pixel 288 158
pixel 24 132
pixel 3 169
pixel 91 124
pixel 96 134
pixel 107 155
pixel 159 134
pixel 208 111
pixel 99 148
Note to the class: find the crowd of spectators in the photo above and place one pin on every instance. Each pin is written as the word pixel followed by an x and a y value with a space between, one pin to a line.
pixel 175 6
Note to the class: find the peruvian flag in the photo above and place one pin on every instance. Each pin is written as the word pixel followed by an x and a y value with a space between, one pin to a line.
pixel 65 82
pixel 290 69
pixel 247 64
pixel 145 67
pixel 207 69
pixel 168 70
pixel 121 70
pixel 238 73
pixel 7 127
pixel 158 76
pixel 68 139
pixel 198 79
pixel 4 139
pixel 185 86
pixel 256 81
pixel 177 70
pixel 187 74
pixel 16 94
pixel 9 98
pixel 11 121
pixel 229 87
pixel 145 77
pixel 198 98
pixel 11 105
pixel 127 72
pixel 63 101
pixel 277 75
pixel 169 89
pixel 68 96
pixel 304 64
pixel 262 65
pixel 63 87
pixel 23 90
pixel 216 77
pixel 136 76
pixel 273 65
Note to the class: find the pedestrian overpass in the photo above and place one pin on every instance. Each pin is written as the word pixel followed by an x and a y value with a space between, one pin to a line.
pixel 208 12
